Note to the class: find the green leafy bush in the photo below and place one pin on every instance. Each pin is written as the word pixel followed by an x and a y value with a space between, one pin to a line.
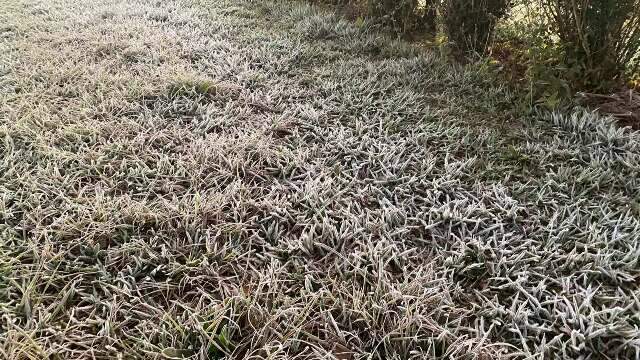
pixel 530 60
pixel 470 24
pixel 599 38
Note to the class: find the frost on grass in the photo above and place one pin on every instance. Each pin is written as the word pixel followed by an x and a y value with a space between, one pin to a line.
pixel 213 179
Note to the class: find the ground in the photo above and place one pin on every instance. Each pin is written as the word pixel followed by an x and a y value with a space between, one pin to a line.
pixel 256 179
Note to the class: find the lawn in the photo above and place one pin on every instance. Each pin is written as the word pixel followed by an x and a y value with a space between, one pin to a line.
pixel 214 179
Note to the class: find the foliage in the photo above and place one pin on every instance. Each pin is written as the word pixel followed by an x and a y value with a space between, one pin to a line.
pixel 401 14
pixel 470 24
pixel 430 16
pixel 599 38
pixel 537 60
pixel 530 61
pixel 566 45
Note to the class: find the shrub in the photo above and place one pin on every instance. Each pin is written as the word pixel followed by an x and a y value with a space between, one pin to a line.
pixel 530 60
pixel 400 14
pixel 429 16
pixel 600 38
pixel 470 24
